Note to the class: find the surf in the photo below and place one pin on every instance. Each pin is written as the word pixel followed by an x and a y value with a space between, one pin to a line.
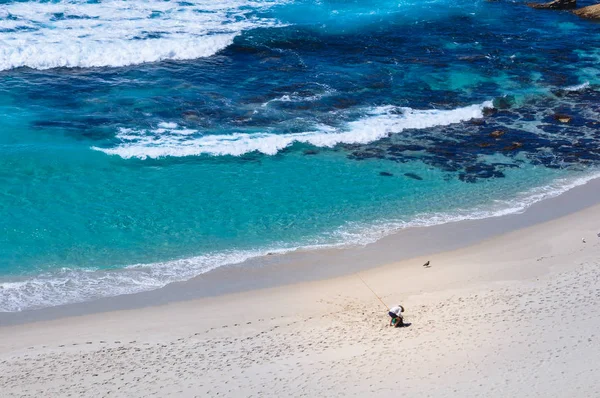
pixel 378 123
pixel 113 33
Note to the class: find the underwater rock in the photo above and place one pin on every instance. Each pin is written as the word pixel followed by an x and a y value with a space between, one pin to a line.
pixel 551 128
pixel 504 102
pixel 589 12
pixel 310 152
pixel 555 5
pixel 489 111
pixel 513 146
pixel 190 115
pixel 562 118
pixel 479 171
pixel 343 103
pixel 505 165
pixel 399 159
pixel 385 174
pixel 497 133
pixel 414 176
pixel 473 58
pixel 361 156
pixel 467 178
pixel 477 122
pixel 570 139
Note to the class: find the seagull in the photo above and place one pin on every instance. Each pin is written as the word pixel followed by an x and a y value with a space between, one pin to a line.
pixel 583 240
pixel 426 265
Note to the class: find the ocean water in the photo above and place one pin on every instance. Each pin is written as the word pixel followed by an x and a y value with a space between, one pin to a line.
pixel 144 142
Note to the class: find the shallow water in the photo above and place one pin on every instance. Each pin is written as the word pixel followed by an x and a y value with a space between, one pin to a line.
pixel 145 142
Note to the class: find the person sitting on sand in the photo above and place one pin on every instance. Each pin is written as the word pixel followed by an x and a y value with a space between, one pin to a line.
pixel 396 313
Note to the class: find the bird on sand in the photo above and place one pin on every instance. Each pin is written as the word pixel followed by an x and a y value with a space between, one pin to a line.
pixel 583 240
pixel 426 265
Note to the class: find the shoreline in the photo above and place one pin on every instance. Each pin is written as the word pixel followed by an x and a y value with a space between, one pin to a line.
pixel 279 270
pixel 514 315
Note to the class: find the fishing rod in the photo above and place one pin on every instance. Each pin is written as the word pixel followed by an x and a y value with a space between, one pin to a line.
pixel 369 287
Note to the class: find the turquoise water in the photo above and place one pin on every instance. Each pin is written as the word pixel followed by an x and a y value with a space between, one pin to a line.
pixel 200 134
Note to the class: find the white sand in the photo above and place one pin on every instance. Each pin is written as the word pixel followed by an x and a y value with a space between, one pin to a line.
pixel 518 315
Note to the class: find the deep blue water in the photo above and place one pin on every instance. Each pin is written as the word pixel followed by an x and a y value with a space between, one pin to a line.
pixel 145 142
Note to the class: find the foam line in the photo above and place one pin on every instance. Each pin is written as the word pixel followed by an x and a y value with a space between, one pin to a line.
pixel 378 123
pixel 74 286
pixel 579 87
pixel 76 33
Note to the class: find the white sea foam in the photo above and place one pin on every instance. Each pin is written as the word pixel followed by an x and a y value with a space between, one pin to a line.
pixel 167 125
pixel 377 124
pixel 77 33
pixel 363 235
pixel 578 87
pixel 296 97
pixel 78 285
pixel 74 286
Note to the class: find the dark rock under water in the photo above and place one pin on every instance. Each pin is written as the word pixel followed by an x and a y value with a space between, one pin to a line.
pixel 414 176
pixel 555 5
pixel 568 140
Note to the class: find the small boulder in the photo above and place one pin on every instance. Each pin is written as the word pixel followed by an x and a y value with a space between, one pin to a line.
pixel 555 5
pixel 562 118
pixel 590 12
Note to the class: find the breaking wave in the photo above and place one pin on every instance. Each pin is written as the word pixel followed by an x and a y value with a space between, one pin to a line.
pixel 578 87
pixel 380 122
pixel 76 33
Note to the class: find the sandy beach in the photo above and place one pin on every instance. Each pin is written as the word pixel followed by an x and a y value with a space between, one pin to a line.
pixel 226 198
pixel 514 315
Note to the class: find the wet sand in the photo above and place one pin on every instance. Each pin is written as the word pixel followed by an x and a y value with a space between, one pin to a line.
pixel 513 315
pixel 312 265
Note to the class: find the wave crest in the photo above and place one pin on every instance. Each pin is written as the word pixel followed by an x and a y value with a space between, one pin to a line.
pixel 75 33
pixel 379 123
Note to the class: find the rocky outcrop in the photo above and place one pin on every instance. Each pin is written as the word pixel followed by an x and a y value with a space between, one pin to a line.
pixel 590 12
pixel 555 5
pixel 562 118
